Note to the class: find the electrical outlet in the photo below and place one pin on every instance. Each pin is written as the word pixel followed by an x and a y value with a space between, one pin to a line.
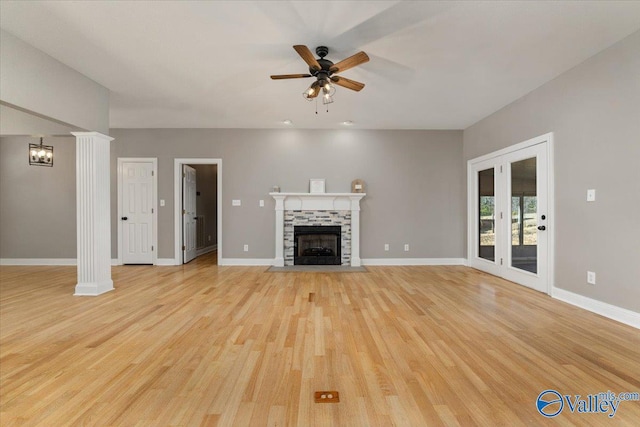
pixel 386 246
pixel 236 202
pixel 406 247
pixel 262 203
pixel 591 195
pixel 591 277
pixel 246 248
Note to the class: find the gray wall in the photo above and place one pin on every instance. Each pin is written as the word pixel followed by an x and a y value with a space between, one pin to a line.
pixel 594 112
pixel 37 204
pixel 207 200
pixel 33 80
pixel 414 183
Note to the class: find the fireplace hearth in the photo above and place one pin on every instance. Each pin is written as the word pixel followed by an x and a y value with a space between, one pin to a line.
pixel 317 245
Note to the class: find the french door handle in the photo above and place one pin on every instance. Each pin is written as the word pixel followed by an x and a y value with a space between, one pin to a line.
pixel 124 218
pixel 542 227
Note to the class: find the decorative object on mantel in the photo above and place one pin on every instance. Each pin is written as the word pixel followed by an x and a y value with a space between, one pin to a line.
pixel 316 186
pixel 276 189
pixel 40 155
pixel 357 186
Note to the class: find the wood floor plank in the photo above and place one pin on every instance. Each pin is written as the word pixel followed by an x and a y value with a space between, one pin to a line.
pixel 204 345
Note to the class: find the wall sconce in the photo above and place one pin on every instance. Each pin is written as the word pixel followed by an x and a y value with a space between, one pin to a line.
pixel 40 155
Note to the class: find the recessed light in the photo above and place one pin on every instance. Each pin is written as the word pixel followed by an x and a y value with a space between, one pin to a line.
pixel 287 122
pixel 347 123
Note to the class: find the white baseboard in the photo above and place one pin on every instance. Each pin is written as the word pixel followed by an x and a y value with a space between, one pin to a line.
pixel 38 261
pixel 414 261
pixel 66 261
pixel 246 261
pixel 613 312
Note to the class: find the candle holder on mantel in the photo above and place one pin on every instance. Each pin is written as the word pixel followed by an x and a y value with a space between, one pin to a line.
pixel 357 186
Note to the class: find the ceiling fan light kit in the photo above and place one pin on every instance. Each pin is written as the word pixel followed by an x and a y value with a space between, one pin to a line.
pixel 323 70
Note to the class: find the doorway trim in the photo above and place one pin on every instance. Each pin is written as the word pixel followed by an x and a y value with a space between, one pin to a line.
pixel 471 208
pixel 177 203
pixel 154 227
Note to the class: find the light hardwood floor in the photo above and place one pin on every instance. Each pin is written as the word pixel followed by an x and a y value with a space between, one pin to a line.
pixel 207 345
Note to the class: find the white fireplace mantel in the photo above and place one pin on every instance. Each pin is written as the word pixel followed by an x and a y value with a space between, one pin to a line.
pixel 318 202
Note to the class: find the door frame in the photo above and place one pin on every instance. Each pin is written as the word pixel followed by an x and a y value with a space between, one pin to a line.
pixel 154 203
pixel 177 203
pixel 472 238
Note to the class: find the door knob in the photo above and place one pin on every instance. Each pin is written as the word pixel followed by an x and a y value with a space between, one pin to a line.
pixel 542 227
pixel 124 218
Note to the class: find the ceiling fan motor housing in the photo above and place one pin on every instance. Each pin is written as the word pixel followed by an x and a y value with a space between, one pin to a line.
pixel 322 51
pixel 324 72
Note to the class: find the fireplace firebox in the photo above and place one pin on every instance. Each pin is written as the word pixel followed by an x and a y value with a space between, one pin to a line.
pixel 316 245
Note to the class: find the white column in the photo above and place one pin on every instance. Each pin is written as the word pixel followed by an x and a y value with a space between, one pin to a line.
pixel 355 231
pixel 279 259
pixel 93 212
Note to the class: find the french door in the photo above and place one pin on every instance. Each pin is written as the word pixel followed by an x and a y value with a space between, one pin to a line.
pixel 509 218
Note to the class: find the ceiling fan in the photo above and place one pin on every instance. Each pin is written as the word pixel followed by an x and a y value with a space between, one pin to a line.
pixel 324 71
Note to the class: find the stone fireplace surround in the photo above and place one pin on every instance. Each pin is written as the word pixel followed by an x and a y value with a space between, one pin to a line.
pixel 318 208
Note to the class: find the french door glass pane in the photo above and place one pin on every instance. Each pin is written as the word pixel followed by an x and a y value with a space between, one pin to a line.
pixel 524 214
pixel 487 210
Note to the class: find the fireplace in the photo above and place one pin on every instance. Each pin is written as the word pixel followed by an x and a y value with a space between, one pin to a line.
pixel 317 209
pixel 317 245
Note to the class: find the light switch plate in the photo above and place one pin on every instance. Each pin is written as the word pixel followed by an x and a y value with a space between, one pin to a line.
pixel 591 195
pixel 161 202
pixel 262 203
pixel 236 202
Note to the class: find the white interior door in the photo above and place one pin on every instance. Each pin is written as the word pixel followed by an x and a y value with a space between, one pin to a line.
pixel 509 216
pixel 188 213
pixel 137 213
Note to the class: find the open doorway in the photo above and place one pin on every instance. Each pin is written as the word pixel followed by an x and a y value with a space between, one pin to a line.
pixel 198 208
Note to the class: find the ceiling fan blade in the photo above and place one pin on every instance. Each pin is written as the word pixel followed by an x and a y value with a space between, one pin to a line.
pixel 290 76
pixel 308 57
pixel 350 62
pixel 349 84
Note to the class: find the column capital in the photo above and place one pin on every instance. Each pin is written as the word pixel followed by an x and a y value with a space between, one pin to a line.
pixel 96 135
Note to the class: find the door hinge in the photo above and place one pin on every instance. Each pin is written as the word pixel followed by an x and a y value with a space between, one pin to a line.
pixel 151 248
pixel 184 175
pixel 183 212
pixel 500 261
pixel 151 210
pixel 500 215
pixel 184 248
pixel 500 168
pixel 152 173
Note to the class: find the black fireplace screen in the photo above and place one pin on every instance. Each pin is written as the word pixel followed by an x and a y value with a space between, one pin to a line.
pixel 316 245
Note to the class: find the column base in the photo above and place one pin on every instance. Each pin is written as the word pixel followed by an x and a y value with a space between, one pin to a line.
pixel 278 262
pixel 356 262
pixel 93 289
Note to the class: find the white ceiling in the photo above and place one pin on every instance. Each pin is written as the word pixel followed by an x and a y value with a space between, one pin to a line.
pixel 434 65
